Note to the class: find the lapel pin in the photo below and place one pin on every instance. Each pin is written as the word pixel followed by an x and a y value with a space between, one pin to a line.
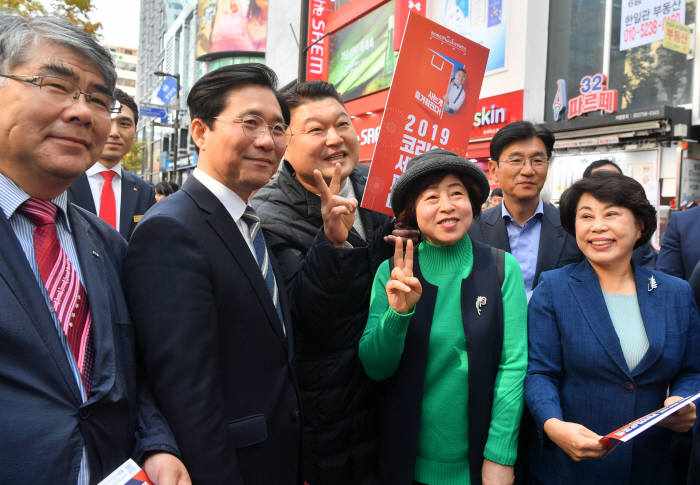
pixel 480 302
pixel 652 284
pixel 95 253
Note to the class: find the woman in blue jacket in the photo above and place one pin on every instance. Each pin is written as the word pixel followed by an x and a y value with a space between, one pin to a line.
pixel 609 342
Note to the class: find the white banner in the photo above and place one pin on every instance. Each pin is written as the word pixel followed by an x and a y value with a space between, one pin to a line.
pixel 642 21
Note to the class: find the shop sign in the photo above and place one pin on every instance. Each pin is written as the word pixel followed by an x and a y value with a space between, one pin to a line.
pixel 401 10
pixel 594 96
pixel 433 110
pixel 642 21
pixel 677 36
pixel 317 54
pixel 495 112
pixel 367 129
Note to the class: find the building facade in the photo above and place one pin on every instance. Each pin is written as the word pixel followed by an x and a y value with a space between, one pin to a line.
pixel 126 62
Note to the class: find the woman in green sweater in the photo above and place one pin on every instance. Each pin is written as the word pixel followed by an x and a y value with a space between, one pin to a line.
pixel 446 335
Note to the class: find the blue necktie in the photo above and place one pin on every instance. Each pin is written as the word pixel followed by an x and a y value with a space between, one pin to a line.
pixel 256 236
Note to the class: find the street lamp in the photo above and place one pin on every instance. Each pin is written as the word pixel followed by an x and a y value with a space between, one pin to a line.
pixel 176 124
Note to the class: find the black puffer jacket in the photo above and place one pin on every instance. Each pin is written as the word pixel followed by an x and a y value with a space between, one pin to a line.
pixel 329 295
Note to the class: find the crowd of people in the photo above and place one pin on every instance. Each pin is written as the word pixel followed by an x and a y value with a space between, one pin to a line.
pixel 259 327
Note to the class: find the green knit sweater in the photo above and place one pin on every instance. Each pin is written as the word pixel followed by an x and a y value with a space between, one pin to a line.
pixel 443 446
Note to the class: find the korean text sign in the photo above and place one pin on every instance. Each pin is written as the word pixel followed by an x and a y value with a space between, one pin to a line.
pixel 642 21
pixel 431 103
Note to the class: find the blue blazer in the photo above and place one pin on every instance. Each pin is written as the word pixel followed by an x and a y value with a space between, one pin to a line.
pixel 44 423
pixel 680 249
pixel 137 196
pixel 577 372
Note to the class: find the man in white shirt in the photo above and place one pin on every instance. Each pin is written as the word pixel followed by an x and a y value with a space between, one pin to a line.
pixel 455 92
pixel 116 195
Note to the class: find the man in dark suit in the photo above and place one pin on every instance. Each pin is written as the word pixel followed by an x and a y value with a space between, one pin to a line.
pixel 122 197
pixel 523 224
pixel 72 407
pixel 209 306
pixel 680 248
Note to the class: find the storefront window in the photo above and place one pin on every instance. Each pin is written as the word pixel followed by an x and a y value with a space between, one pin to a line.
pixel 576 32
pixel 362 56
pixel 649 75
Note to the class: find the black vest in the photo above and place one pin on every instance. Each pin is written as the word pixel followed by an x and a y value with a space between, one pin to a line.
pixel 403 392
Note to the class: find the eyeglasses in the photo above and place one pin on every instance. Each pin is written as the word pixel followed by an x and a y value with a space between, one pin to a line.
pixel 254 126
pixel 519 162
pixel 61 90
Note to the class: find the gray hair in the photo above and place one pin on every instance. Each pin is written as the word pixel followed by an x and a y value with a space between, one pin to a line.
pixel 18 34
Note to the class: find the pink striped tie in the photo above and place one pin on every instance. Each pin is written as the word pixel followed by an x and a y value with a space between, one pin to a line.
pixel 62 284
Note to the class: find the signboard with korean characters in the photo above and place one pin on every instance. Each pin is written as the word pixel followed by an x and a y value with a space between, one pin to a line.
pixel 432 110
pixel 642 21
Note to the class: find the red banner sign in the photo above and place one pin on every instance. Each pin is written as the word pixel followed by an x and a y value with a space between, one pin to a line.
pixel 317 54
pixel 495 112
pixel 401 11
pixel 432 110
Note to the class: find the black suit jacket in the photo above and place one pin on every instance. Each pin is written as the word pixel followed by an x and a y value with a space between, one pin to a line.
pixel 137 196
pixel 44 422
pixel 218 362
pixel 557 247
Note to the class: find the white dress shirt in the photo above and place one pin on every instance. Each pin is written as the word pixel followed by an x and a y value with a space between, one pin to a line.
pixel 96 181
pixel 231 202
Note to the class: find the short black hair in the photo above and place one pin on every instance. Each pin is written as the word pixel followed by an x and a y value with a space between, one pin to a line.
pixel 207 98
pixel 519 131
pixel 461 69
pixel 301 93
pixel 600 163
pixel 497 193
pixel 126 100
pixel 615 189
pixel 166 188
pixel 408 215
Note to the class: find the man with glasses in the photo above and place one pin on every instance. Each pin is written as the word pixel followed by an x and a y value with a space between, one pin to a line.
pixel 523 224
pixel 328 251
pixel 209 305
pixel 70 398
pixel 107 189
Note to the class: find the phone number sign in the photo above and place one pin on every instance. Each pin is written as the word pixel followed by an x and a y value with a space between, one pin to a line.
pixel 642 21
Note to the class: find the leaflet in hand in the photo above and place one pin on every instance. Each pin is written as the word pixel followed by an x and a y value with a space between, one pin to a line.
pixel 638 426
pixel 129 473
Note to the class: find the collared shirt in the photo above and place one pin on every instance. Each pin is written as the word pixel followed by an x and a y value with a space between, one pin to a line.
pixel 231 201
pixel 455 97
pixel 11 197
pixel 96 181
pixel 525 242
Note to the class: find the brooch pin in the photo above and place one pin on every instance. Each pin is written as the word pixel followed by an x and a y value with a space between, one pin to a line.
pixel 652 284
pixel 480 302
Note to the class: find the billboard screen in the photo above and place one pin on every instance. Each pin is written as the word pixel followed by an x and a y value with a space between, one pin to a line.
pixel 362 56
pixel 227 26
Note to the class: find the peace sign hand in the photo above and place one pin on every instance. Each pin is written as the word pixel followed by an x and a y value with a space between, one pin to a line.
pixel 403 290
pixel 338 212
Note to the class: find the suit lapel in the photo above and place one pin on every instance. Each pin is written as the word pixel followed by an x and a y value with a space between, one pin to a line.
pixel 20 280
pixel 80 193
pixel 494 230
pixel 91 254
pixel 129 198
pixel 589 296
pixel 650 302
pixel 551 240
pixel 225 227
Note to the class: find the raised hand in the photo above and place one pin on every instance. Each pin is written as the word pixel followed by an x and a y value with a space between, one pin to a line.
pixel 403 290
pixel 338 212
pixel 577 441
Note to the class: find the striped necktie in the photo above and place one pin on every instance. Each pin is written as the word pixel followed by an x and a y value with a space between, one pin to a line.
pixel 62 284
pixel 261 254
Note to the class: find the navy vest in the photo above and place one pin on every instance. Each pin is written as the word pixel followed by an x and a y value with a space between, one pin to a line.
pixel 403 392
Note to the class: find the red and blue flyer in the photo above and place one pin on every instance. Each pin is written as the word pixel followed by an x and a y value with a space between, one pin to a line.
pixel 431 103
pixel 129 473
pixel 638 426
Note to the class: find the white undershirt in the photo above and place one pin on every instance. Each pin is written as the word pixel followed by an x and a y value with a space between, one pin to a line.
pixel 231 202
pixel 96 181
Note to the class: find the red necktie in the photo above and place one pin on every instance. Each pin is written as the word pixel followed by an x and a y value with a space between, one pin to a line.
pixel 108 204
pixel 62 284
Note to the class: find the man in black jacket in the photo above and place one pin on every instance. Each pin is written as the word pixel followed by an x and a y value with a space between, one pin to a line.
pixel 328 251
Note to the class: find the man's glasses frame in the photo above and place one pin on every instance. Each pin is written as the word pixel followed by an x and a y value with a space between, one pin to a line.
pixel 537 162
pixel 253 127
